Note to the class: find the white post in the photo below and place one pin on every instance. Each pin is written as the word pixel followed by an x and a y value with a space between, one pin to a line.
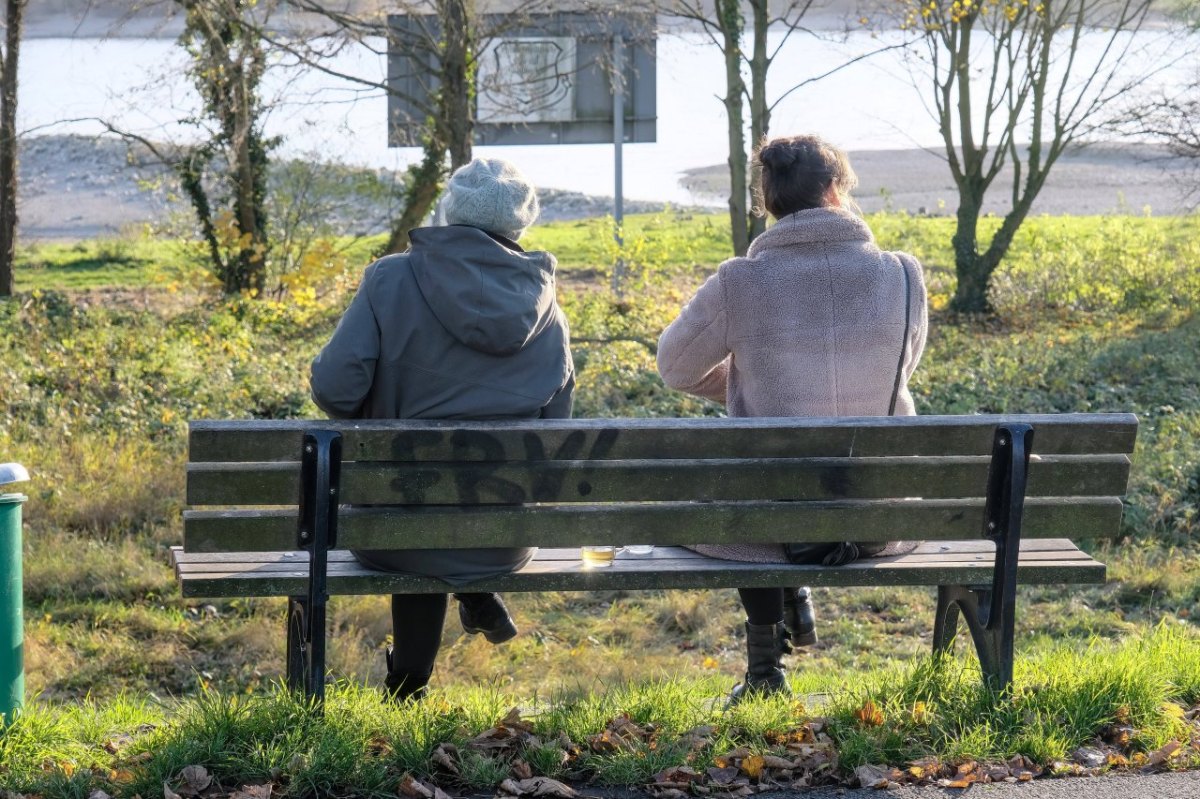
pixel 618 90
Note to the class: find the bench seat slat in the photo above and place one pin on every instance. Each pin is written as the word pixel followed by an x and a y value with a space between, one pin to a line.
pixel 186 568
pixel 659 523
pixel 434 483
pixel 1067 565
pixel 568 553
pixel 599 439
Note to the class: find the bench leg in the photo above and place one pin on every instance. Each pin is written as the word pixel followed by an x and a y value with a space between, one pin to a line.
pixel 990 611
pixel 945 623
pixel 993 642
pixel 297 645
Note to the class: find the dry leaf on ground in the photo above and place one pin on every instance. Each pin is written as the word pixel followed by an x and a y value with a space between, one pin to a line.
pixel 414 789
pixel 168 793
pixel 752 766
pixel 445 756
pixel 1163 754
pixel 722 776
pixel 192 780
pixel 873 776
pixel 677 777
pixel 253 792
pixel 538 786
pixel 869 714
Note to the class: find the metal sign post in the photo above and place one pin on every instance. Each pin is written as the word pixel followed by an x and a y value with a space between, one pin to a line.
pixel 618 92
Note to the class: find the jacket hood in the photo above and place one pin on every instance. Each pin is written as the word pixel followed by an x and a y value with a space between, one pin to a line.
pixel 489 294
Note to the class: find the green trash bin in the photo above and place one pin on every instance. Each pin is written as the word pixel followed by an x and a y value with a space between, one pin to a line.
pixel 12 621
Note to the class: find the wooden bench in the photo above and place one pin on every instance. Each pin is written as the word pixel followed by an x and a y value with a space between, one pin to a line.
pixel 996 499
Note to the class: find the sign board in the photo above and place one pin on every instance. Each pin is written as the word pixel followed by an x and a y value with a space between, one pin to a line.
pixel 543 80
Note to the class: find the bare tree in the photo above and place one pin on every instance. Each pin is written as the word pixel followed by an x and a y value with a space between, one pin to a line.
pixel 443 38
pixel 748 52
pixel 997 70
pixel 1174 117
pixel 14 13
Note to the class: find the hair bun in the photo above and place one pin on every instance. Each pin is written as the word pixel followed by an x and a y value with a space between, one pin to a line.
pixel 777 156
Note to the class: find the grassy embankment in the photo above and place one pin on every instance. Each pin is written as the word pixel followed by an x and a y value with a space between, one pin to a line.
pixel 1094 314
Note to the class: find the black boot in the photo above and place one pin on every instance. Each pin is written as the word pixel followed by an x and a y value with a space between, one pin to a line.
pixel 485 613
pixel 799 616
pixel 401 685
pixel 765 647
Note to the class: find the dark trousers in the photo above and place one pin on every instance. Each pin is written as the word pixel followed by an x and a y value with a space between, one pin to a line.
pixel 763 605
pixel 417 621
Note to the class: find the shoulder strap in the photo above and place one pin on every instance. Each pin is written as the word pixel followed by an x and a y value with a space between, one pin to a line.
pixel 903 338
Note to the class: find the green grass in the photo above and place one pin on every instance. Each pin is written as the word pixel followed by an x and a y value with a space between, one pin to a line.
pixel 99 382
pixel 1064 698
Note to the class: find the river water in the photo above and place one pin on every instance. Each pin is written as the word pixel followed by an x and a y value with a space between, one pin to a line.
pixel 871 105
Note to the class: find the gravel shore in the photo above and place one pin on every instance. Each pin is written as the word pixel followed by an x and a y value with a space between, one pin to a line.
pixel 76 187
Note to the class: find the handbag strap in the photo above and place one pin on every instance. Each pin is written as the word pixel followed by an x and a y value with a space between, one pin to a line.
pixel 903 339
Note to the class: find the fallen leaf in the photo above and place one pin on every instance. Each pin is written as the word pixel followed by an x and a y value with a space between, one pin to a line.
pixel 438 793
pixel 958 783
pixel 774 761
pixel 444 756
pixel 869 714
pixel 121 776
pixel 521 770
pixel 168 793
pixel 871 776
pixel 1088 757
pixel 117 743
pixel 677 776
pixel 414 788
pixel 920 713
pixel 1163 754
pixel 98 794
pixel 196 777
pixel 253 792
pixel 925 768
pixel 538 786
pixel 722 776
pixel 752 766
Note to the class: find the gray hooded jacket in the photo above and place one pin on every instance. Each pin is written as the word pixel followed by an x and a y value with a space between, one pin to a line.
pixel 463 326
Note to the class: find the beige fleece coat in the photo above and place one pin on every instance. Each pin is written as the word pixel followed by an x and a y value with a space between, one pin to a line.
pixel 808 323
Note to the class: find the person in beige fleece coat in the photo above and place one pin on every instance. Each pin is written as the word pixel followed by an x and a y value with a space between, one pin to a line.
pixel 811 322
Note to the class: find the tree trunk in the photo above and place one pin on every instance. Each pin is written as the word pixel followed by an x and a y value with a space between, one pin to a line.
pixel 729 17
pixel 424 186
pixel 456 89
pixel 760 110
pixel 972 271
pixel 14 10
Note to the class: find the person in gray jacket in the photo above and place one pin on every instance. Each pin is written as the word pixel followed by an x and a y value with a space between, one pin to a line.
pixel 815 320
pixel 464 325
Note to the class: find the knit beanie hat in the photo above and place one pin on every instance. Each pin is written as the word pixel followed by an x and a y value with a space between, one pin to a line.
pixel 493 195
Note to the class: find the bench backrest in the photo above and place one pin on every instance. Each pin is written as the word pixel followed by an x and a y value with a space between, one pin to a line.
pixel 421 484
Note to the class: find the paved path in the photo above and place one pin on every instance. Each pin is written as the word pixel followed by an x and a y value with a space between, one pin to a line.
pixel 1181 785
